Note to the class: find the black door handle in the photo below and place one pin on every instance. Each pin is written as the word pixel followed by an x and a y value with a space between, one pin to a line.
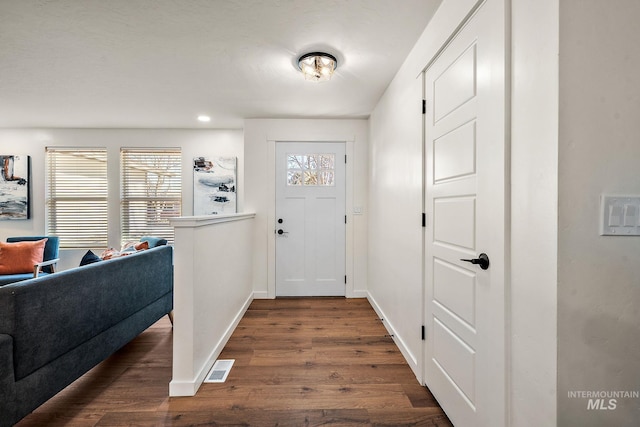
pixel 482 261
pixel 281 231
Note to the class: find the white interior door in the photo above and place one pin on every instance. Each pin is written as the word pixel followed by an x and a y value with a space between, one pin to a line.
pixel 310 219
pixel 465 147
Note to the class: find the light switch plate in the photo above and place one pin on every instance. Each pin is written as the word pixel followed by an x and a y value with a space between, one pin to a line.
pixel 619 215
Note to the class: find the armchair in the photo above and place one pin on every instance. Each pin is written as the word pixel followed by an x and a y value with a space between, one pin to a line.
pixel 48 264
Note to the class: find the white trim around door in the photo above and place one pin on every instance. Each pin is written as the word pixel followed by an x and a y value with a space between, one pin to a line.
pixel 349 141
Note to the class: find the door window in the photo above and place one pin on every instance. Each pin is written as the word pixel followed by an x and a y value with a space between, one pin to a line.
pixel 311 169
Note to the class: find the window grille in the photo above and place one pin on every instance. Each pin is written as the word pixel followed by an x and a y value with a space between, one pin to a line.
pixel 311 169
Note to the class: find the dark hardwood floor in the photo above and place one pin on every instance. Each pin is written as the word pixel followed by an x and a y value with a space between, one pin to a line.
pixel 298 362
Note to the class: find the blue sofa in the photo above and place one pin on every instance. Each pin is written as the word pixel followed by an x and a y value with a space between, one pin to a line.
pixel 55 328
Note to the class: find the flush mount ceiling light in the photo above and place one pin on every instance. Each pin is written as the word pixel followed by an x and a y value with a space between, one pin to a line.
pixel 317 66
pixel 204 119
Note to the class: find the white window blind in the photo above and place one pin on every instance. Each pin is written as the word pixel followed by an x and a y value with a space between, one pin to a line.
pixel 151 192
pixel 77 196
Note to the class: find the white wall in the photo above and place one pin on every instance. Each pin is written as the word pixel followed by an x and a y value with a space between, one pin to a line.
pixel 396 150
pixel 534 194
pixel 396 190
pixel 32 142
pixel 260 137
pixel 598 276
pixel 395 220
pixel 212 291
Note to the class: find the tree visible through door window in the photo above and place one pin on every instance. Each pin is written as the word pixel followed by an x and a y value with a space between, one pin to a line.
pixel 151 192
pixel 311 169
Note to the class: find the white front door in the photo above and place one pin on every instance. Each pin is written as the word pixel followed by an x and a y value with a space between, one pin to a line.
pixel 465 199
pixel 310 219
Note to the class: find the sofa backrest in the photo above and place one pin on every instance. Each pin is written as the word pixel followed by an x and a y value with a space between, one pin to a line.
pixel 50 315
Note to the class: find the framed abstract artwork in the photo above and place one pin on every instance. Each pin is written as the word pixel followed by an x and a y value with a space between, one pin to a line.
pixel 14 187
pixel 214 185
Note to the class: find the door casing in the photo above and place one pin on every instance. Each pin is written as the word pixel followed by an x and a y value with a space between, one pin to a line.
pixel 349 141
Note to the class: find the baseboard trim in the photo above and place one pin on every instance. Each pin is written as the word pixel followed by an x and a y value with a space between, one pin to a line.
pixel 261 295
pixel 182 388
pixel 223 341
pixel 358 294
pixel 190 388
pixel 412 361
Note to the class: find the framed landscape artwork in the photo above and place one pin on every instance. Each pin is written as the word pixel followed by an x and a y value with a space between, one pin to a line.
pixel 214 185
pixel 14 187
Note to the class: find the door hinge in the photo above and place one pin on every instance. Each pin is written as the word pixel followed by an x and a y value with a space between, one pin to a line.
pixel 345 158
pixel 424 106
pixel 345 279
pixel 424 333
pixel 345 219
pixel 424 219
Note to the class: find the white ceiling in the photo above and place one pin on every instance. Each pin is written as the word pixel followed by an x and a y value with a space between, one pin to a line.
pixel 160 63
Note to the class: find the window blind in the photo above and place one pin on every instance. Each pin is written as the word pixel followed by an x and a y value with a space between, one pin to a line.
pixel 151 190
pixel 76 202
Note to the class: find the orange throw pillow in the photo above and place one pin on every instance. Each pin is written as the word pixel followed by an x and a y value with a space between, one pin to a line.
pixel 20 257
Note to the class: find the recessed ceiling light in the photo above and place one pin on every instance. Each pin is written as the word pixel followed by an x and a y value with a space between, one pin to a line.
pixel 204 119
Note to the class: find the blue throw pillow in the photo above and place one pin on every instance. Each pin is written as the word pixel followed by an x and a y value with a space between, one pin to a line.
pixel 89 258
pixel 153 241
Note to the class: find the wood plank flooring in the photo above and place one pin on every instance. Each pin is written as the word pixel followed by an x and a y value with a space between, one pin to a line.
pixel 298 362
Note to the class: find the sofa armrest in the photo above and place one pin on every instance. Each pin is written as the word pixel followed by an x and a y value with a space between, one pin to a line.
pixel 37 268
pixel 7 379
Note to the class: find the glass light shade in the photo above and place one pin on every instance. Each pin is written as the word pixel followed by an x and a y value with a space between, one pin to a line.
pixel 317 66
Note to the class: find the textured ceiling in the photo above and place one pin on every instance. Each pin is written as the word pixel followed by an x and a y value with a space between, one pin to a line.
pixel 160 63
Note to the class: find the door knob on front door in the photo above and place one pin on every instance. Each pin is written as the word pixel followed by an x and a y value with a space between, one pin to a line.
pixel 482 261
pixel 281 232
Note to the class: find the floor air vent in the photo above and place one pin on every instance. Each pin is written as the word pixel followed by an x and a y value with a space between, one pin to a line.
pixel 219 371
